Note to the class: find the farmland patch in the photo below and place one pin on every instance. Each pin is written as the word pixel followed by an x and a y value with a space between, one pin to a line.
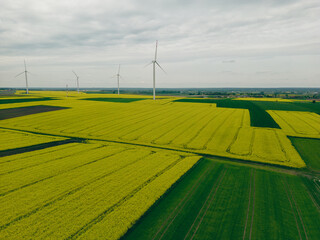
pixel 21 100
pixel 88 191
pixel 258 116
pixel 115 100
pixel 23 111
pixel 309 150
pixel 224 201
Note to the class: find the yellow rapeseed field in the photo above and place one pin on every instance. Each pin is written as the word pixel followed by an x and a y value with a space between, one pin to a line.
pixel 200 128
pixel 301 124
pixel 80 189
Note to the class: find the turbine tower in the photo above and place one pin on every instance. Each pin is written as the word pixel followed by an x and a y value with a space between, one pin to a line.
pixel 118 77
pixel 77 80
pixel 26 75
pixel 154 62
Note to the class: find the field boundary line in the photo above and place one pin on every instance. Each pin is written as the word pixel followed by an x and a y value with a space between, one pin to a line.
pixel 186 197
pixel 110 209
pixel 216 185
pixel 182 150
pixel 68 193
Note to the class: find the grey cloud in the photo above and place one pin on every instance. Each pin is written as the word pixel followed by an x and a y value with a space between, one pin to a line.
pixel 192 33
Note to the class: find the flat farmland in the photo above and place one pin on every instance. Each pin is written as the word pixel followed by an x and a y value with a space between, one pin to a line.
pixel 200 128
pixel 16 139
pixel 83 189
pixel 224 201
pixel 100 166
pixel 301 124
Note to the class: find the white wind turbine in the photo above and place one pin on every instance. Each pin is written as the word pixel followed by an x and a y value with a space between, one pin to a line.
pixel 77 80
pixel 26 75
pixel 154 62
pixel 118 79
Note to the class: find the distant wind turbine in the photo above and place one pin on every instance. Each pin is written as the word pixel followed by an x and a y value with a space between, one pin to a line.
pixel 154 62
pixel 77 80
pixel 118 79
pixel 26 75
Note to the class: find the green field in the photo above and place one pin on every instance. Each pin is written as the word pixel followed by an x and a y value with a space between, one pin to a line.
pixel 224 201
pixel 309 150
pixel 104 166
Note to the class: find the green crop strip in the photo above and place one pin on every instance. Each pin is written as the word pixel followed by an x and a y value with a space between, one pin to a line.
pixel 21 100
pixel 14 151
pixel 309 150
pixel 23 111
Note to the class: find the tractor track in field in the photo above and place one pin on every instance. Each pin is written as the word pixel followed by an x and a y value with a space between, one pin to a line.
pixel 254 193
pixel 297 209
pixel 312 199
pixel 110 209
pixel 294 214
pixel 210 198
pixel 273 167
pixel 166 121
pixel 173 128
pixel 205 146
pixel 178 208
pixel 68 193
pixel 248 209
pixel 203 127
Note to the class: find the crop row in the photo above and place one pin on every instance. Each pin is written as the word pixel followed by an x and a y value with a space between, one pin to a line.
pixel 96 189
pixel 303 124
pixel 198 127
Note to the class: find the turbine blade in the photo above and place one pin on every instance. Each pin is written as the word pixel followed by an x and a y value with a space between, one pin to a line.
pixel 119 69
pixel 148 64
pixel 75 74
pixel 19 74
pixel 155 55
pixel 161 67
pixel 25 66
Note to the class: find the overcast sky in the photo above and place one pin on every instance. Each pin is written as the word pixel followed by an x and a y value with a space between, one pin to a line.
pixel 202 43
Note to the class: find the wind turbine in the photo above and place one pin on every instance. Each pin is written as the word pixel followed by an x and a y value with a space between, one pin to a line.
pixel 26 75
pixel 77 80
pixel 118 77
pixel 154 62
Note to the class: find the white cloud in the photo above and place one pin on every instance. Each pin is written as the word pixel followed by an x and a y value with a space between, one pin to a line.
pixel 195 39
